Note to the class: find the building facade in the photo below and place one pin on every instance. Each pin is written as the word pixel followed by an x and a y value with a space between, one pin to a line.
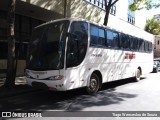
pixel 157 18
pixel 157 46
pixel 30 13
pixel 157 40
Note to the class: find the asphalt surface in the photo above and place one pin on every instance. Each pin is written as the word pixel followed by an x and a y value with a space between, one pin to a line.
pixel 123 95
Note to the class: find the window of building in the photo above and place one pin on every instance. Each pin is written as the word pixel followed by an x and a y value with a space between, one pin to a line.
pixel 131 14
pixel 101 4
pixel 23 29
pixel 3 49
pixel 3 14
pixel 3 34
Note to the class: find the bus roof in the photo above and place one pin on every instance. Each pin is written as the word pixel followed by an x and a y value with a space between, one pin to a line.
pixel 142 33
pixel 72 19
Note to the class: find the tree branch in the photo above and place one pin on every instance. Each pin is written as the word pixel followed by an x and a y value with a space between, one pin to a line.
pixel 114 2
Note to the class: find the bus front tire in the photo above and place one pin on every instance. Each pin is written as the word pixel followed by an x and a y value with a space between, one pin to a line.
pixel 94 84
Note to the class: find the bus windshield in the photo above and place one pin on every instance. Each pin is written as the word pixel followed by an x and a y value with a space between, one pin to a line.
pixel 47 47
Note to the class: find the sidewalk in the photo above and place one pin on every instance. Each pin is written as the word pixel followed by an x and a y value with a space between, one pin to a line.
pixel 20 88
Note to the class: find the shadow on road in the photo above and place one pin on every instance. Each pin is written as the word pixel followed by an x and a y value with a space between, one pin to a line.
pixel 67 101
pixel 80 100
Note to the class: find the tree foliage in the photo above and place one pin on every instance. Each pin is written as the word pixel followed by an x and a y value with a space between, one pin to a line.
pixel 144 4
pixel 152 26
pixel 136 5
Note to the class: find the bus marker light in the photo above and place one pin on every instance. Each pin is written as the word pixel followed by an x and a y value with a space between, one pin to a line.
pixel 52 89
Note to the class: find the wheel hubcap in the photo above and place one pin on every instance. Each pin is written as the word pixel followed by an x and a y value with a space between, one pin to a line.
pixel 93 84
pixel 138 74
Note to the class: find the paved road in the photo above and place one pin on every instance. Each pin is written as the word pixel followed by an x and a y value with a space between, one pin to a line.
pixel 123 95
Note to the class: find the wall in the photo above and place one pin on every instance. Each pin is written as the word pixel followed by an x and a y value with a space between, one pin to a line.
pixel 157 47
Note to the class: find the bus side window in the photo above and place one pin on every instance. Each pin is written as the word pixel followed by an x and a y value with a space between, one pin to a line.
pixel 110 41
pixel 116 40
pixel 135 43
pixel 97 36
pixel 125 43
pixel 131 43
pixel 150 47
pixel 141 45
pixel 77 45
pixel 94 35
pixel 122 41
pixel 101 40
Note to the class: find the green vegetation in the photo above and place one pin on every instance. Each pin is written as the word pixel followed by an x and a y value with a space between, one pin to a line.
pixel 144 4
pixel 152 26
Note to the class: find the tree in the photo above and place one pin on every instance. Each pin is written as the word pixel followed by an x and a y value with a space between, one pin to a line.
pixel 144 4
pixel 152 26
pixel 137 5
pixel 108 5
pixel 11 63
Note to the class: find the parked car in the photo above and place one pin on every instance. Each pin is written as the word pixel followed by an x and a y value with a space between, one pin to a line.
pixel 156 66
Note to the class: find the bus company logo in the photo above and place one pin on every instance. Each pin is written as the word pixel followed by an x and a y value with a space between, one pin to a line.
pixel 6 114
pixel 96 55
pixel 130 56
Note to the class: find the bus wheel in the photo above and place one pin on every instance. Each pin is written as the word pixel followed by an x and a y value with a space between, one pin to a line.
pixel 94 84
pixel 138 75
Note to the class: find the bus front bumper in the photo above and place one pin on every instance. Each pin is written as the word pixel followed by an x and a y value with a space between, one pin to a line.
pixel 57 85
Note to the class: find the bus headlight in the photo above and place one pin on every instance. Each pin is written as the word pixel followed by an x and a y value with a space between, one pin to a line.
pixel 57 77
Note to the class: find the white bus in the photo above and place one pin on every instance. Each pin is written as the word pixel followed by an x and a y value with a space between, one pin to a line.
pixel 71 53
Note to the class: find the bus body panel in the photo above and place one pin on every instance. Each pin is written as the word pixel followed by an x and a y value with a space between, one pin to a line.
pixel 46 77
pixel 112 63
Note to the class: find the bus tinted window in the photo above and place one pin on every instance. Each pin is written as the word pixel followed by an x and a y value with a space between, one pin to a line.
pixel 132 43
pixel 150 47
pixel 97 36
pixel 116 39
pixel 94 35
pixel 136 43
pixel 124 41
pixel 76 49
pixel 101 40
pixel 146 46
pixel 110 41
pixel 141 45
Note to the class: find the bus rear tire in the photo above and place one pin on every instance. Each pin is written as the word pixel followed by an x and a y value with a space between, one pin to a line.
pixel 94 84
pixel 137 75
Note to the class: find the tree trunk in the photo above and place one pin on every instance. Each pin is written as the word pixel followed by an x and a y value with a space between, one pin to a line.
pixel 65 8
pixel 11 62
pixel 106 16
